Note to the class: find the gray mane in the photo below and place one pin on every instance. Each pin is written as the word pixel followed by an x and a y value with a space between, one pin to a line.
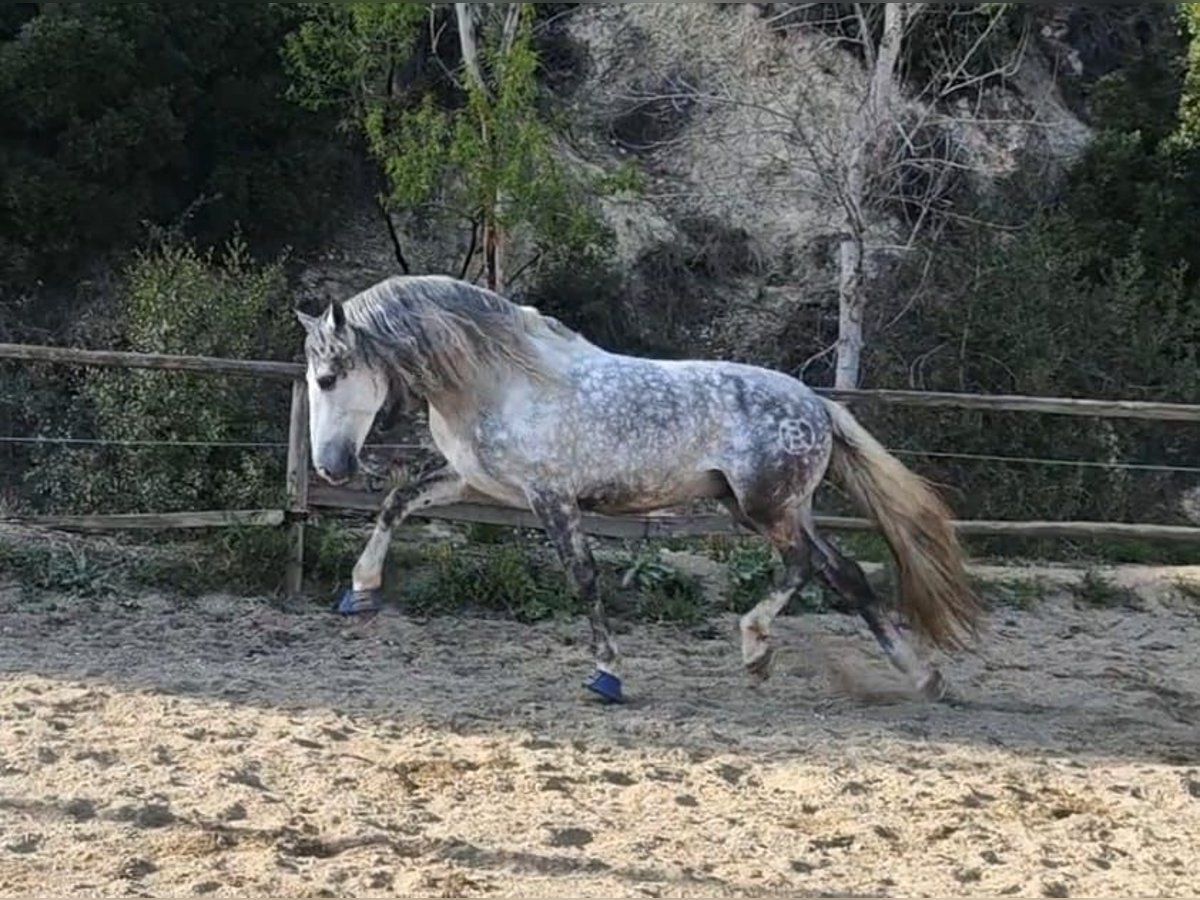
pixel 437 333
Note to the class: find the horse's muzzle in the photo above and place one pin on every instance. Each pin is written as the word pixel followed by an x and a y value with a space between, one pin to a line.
pixel 338 463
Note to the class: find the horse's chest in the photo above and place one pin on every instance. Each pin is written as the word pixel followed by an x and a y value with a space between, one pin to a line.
pixel 461 453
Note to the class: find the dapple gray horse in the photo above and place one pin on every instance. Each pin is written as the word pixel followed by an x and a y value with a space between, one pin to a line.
pixel 530 414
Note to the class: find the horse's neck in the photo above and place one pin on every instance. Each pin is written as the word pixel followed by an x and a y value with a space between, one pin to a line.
pixel 561 352
pixel 458 411
pixel 451 411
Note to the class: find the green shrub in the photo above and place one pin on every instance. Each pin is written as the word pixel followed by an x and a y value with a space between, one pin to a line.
pixel 1018 593
pixel 1097 590
pixel 502 578
pixel 178 300
pixel 751 567
pixel 664 594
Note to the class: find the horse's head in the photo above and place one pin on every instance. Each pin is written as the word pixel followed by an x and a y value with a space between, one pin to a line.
pixel 346 390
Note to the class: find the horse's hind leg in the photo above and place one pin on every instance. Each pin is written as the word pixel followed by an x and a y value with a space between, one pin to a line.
pixel 847 578
pixel 758 650
pixel 560 517
pixel 788 537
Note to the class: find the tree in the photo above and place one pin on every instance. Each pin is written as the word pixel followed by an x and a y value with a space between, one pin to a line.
pixel 893 155
pixel 869 138
pixel 462 145
pixel 116 114
pixel 855 112
pixel 1097 295
pixel 1189 102
pixel 488 97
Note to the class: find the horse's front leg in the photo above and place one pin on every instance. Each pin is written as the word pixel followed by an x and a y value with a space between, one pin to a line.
pixel 560 517
pixel 437 488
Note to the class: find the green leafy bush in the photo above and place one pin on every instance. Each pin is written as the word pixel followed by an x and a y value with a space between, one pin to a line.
pixel 501 578
pixel 180 300
pixel 454 152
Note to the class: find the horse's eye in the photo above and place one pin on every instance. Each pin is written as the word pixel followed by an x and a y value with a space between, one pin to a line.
pixel 326 381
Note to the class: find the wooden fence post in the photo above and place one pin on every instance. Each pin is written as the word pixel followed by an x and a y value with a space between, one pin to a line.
pixel 297 486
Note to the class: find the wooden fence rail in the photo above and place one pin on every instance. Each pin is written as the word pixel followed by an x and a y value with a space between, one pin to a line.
pixel 213 518
pixel 701 525
pixel 112 359
pixel 1064 406
pixel 305 499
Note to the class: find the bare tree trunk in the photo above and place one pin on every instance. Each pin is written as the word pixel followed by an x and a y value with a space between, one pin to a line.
pixel 394 233
pixel 470 255
pixel 852 302
pixel 493 238
pixel 852 298
pixel 496 258
pixel 868 135
pixel 493 249
pixel 512 22
pixel 883 80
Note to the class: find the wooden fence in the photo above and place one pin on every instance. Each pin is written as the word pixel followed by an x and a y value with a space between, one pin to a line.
pixel 304 498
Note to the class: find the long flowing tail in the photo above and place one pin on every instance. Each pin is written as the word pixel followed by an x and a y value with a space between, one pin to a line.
pixel 934 592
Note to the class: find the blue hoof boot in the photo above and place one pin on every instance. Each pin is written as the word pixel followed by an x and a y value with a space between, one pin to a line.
pixel 606 685
pixel 357 603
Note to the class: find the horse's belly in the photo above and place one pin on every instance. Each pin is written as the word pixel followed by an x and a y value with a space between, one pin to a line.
pixel 485 484
pixel 628 497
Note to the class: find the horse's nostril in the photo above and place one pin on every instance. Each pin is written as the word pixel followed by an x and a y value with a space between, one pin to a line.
pixel 336 464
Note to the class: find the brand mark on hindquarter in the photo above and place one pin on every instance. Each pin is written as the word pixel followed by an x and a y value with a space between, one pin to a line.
pixel 795 436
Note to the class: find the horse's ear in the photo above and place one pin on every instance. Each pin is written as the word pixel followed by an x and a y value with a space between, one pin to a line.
pixel 337 317
pixel 309 322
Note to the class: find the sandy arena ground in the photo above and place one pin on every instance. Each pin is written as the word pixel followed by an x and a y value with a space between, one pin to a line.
pixel 235 747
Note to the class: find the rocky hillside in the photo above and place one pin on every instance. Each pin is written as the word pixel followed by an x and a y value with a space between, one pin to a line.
pixel 714 101
pixel 730 248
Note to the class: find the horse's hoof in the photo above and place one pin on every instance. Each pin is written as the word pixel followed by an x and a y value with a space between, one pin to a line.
pixel 759 668
pixel 358 603
pixel 938 690
pixel 607 685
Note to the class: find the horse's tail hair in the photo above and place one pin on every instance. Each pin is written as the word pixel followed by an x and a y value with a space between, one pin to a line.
pixel 934 593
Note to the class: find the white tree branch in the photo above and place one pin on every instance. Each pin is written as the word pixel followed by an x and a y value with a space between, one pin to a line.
pixel 470 47
pixel 512 21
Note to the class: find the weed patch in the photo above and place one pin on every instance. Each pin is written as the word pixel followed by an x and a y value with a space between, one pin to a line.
pixel 1096 590
pixel 664 594
pixel 1014 593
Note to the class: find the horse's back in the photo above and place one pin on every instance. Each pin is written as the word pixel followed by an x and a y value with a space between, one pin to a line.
pixel 714 388
pixel 699 411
